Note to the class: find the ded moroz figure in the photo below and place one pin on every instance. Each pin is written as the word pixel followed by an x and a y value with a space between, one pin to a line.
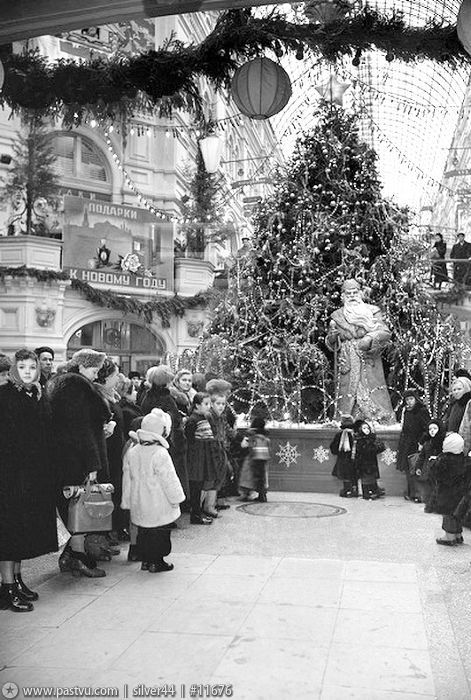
pixel 359 334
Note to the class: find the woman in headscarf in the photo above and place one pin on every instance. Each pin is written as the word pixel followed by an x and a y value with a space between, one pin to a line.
pixel 458 418
pixel 414 424
pixel 181 391
pixel 160 379
pixel 27 480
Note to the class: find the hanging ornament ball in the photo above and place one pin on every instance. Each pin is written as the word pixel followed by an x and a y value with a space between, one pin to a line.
pixel 463 25
pixel 261 88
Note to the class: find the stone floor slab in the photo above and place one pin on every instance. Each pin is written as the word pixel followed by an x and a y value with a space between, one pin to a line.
pixel 303 591
pixel 220 617
pixel 274 621
pixel 380 628
pixel 243 565
pixel 380 571
pixel 392 597
pixel 293 567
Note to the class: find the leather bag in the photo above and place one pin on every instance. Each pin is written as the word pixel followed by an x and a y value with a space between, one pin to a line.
pixel 90 507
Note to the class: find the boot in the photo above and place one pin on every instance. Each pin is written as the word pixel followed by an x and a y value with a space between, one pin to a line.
pixel 133 553
pixel 25 592
pixel 200 520
pixel 10 599
pixel 82 565
pixel 210 504
pixel 159 567
pixel 65 558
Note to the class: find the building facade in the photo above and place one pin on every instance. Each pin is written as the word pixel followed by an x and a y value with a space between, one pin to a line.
pixel 119 219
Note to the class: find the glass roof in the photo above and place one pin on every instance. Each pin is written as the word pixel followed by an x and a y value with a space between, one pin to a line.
pixel 408 112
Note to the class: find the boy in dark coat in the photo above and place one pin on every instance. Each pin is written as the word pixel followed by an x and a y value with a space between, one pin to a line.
pixel 449 470
pixel 344 469
pixel 367 447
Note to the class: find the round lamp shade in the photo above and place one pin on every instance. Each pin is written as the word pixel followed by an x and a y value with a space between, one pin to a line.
pixel 463 25
pixel 210 147
pixel 261 88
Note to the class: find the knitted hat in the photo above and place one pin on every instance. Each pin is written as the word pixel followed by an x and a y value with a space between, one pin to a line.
pixel 44 348
pixel 465 382
pixel 5 363
pixel 154 426
pixel 87 358
pixel 160 375
pixel 218 386
pixel 453 443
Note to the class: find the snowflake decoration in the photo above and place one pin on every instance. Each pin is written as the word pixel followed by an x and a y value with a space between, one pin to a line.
pixel 388 456
pixel 288 454
pixel 320 454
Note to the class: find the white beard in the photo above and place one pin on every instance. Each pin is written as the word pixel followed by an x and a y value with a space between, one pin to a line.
pixel 358 313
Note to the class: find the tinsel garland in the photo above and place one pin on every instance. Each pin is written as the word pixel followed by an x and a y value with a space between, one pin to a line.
pixel 39 275
pixel 169 77
pixel 164 308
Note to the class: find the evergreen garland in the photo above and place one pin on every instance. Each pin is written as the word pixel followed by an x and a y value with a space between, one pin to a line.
pixel 40 275
pixel 168 78
pixel 164 308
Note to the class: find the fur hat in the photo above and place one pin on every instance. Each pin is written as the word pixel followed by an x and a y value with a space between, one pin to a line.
pixel 5 363
pixel 160 375
pixel 218 386
pixel 411 392
pixel 465 382
pixel 453 443
pixel 44 348
pixel 154 428
pixel 346 421
pixel 87 358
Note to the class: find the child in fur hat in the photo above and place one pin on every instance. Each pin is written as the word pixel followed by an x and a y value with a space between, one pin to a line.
pixel 151 490
pixel 366 450
pixel 449 470
pixel 342 447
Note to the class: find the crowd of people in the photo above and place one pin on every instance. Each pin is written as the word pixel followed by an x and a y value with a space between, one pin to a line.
pixel 434 455
pixel 162 444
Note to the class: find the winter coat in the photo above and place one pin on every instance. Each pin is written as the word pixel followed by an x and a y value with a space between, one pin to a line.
pixel 160 397
pixel 450 472
pixel 431 447
pixel 28 482
pixel 366 451
pixel 458 420
pixel 344 466
pixel 130 412
pixel 151 488
pixel 204 452
pixel 78 415
pixel 415 422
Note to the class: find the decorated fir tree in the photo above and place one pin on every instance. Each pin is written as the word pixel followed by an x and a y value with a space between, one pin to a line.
pixel 32 176
pixel 327 221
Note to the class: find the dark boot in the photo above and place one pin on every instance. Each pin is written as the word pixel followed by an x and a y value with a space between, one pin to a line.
pixel 82 565
pixel 133 553
pixel 65 558
pixel 25 592
pixel 10 599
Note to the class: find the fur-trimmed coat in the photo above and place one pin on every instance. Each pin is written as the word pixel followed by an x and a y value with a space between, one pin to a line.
pixel 27 477
pixel 79 413
pixel 367 449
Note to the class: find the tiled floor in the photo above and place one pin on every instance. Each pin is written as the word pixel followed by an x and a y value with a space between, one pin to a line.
pixel 273 627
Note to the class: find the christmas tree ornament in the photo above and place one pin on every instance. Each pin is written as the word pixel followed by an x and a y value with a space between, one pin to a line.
pixel 325 11
pixel 261 88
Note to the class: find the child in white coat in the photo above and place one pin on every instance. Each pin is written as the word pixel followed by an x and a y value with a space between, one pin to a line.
pixel 152 490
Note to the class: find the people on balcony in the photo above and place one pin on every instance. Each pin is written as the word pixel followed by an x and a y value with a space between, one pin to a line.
pixel 438 269
pixel 461 251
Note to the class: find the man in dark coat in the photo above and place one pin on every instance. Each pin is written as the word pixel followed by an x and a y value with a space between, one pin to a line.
pixel 415 421
pixel 461 251
pixel 46 360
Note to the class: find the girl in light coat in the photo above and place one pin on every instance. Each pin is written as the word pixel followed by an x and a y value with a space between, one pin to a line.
pixel 151 490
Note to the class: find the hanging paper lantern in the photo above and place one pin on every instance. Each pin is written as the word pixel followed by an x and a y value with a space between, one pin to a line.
pixel 325 11
pixel 261 88
pixel 463 25
pixel 2 75
pixel 211 147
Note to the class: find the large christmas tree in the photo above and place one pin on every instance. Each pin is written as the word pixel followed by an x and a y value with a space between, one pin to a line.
pixel 326 221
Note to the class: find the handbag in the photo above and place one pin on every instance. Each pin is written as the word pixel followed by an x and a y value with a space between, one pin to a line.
pixel 412 461
pixel 90 507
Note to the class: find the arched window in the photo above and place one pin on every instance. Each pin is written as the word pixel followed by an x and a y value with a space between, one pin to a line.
pixel 80 163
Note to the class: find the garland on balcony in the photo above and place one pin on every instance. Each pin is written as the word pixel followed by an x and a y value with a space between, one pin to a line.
pixel 164 308
pixel 39 275
pixel 167 79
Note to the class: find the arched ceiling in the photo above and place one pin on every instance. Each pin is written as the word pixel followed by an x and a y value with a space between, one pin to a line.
pixel 408 112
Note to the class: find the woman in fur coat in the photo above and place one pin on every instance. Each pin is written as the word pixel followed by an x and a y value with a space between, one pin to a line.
pixel 80 424
pixel 27 480
pixel 414 424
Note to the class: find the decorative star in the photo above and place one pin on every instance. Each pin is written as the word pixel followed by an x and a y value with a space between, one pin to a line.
pixel 332 90
pixel 388 456
pixel 320 454
pixel 288 454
